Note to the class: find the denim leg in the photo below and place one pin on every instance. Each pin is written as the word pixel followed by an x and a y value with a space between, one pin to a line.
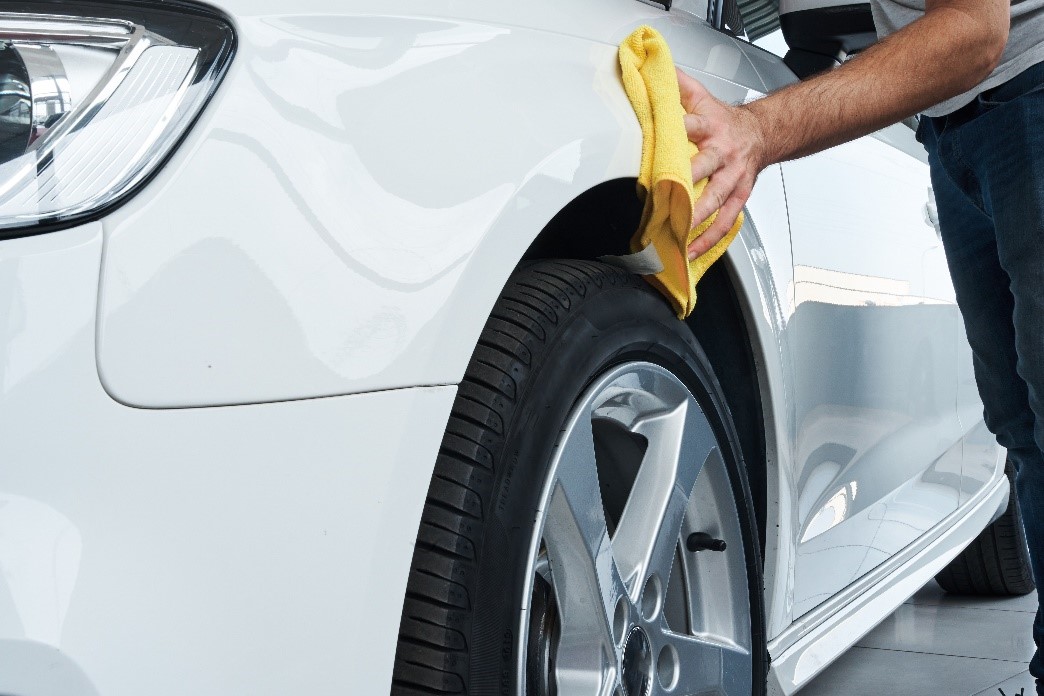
pixel 1007 144
pixel 983 295
pixel 989 177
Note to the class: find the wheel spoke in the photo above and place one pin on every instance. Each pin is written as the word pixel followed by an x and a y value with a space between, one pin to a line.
pixel 586 581
pixel 702 666
pixel 680 441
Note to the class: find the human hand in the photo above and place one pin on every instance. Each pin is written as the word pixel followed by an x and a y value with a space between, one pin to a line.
pixel 731 154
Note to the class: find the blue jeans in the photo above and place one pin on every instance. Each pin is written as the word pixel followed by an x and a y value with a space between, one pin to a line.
pixel 987 164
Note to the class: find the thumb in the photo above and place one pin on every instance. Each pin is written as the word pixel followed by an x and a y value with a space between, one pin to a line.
pixel 692 92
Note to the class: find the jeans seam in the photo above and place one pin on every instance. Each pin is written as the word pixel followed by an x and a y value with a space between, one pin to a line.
pixel 958 155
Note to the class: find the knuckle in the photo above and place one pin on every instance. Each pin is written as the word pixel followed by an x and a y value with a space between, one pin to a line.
pixel 719 198
pixel 712 156
pixel 702 168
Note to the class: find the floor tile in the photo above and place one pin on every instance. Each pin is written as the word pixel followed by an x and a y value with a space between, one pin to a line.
pixel 940 645
pixel 934 595
pixel 1019 685
pixel 956 631
pixel 873 672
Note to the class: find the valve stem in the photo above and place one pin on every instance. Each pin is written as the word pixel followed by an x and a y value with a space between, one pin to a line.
pixel 701 541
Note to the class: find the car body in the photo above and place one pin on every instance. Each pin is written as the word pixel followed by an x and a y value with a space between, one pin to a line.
pixel 221 401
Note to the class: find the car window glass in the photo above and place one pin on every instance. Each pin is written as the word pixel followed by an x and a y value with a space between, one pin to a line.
pixel 773 43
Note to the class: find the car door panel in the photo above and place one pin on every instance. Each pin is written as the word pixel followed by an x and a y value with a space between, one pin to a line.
pixel 878 444
pixel 982 454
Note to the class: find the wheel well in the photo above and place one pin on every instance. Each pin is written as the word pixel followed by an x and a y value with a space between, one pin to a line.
pixel 602 221
pixel 720 326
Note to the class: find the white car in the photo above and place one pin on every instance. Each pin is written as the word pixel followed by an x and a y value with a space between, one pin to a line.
pixel 311 381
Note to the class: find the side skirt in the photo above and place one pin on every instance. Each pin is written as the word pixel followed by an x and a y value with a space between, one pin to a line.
pixel 819 637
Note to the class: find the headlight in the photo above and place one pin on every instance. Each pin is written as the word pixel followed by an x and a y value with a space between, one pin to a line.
pixel 94 96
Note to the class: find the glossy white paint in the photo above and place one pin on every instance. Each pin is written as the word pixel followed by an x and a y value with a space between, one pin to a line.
pixel 351 204
pixel 252 550
pixel 765 281
pixel 893 537
pixel 878 451
pixel 821 637
pixel 979 443
pixel 341 221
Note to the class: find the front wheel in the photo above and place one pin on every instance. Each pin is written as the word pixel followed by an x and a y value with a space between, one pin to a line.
pixel 588 529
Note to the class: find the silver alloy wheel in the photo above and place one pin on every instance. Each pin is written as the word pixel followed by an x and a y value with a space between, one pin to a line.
pixel 617 605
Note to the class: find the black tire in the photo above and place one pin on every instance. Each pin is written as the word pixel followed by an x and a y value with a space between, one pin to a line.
pixel 557 326
pixel 997 563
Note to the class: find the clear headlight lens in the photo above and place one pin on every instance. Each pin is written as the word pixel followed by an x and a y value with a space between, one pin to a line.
pixel 93 98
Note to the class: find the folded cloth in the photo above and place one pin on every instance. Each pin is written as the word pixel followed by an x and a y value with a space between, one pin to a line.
pixel 665 180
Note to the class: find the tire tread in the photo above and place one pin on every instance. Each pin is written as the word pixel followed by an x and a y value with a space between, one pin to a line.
pixel 995 564
pixel 432 650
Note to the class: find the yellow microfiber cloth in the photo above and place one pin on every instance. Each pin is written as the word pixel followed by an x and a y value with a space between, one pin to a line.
pixel 665 181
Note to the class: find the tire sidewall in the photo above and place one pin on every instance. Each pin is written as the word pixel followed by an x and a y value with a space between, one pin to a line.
pixel 612 325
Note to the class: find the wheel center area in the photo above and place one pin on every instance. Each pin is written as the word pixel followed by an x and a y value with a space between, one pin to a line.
pixel 637 664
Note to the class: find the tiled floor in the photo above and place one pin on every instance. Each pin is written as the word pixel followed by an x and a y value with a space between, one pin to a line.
pixel 938 645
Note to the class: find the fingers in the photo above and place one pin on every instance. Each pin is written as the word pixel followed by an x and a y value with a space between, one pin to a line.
pixel 728 160
pixel 697 127
pixel 716 232
pixel 706 163
pixel 719 189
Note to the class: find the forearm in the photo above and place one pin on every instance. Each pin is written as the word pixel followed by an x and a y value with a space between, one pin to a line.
pixel 946 52
pixel 952 48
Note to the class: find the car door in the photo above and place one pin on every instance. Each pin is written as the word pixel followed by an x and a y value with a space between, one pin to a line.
pixel 873 341
pixel 877 450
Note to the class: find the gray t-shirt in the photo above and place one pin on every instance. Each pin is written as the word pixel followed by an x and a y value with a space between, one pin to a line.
pixel 1025 42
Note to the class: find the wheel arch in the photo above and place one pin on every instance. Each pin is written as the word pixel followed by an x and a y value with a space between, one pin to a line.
pixel 601 221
